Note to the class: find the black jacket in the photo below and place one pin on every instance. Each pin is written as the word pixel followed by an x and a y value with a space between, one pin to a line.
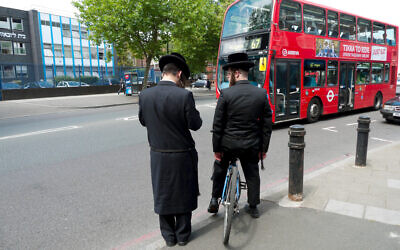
pixel 168 112
pixel 243 119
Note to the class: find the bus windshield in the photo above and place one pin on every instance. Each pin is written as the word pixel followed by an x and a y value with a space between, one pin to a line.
pixel 247 15
pixel 256 77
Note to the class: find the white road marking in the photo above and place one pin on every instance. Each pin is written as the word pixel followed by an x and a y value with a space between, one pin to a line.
pixel 355 123
pixel 392 183
pixel 39 132
pixel 379 139
pixel 382 215
pixel 129 118
pixel 345 208
pixel 331 129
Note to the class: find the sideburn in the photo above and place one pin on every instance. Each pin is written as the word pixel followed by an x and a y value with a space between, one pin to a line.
pixel 232 81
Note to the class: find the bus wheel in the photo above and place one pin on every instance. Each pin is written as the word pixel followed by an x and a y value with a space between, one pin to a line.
pixel 314 110
pixel 378 101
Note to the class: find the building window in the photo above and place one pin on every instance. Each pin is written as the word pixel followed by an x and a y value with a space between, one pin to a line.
pixel 377 73
pixel 45 22
pixel 101 53
pixel 55 24
pixel 363 30
pixel 17 24
pixel 22 71
pixel 19 48
pixel 47 50
pixel 8 71
pixel 85 53
pixel 314 20
pixel 379 33
pixel 93 52
pixel 314 73
pixel 66 30
pixel 6 48
pixel 363 70
pixel 332 73
pixel 58 50
pixel 77 53
pixel 4 22
pixel 67 51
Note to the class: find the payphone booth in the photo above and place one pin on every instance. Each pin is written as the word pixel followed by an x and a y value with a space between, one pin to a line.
pixel 131 83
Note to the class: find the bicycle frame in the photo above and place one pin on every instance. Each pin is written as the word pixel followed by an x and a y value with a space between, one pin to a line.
pixel 228 180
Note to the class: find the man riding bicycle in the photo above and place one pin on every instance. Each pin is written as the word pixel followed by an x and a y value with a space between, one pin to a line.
pixel 241 129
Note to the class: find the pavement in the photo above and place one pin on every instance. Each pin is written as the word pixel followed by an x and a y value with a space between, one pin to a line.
pixel 344 207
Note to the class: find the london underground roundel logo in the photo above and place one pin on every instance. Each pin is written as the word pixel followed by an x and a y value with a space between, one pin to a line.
pixel 284 52
pixel 330 96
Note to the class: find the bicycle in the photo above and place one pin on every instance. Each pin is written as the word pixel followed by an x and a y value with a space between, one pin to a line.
pixel 230 196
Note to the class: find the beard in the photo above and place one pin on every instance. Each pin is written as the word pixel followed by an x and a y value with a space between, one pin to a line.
pixel 232 80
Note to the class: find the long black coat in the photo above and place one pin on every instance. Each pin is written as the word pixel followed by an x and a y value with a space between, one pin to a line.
pixel 168 112
pixel 242 119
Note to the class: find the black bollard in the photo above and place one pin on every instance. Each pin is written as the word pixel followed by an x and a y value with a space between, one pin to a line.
pixel 362 140
pixel 296 162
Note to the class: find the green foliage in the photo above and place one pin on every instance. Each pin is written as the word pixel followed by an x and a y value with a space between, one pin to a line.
pixel 144 27
pixel 58 79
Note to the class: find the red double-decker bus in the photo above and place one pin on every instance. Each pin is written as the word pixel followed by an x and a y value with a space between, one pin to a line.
pixel 312 60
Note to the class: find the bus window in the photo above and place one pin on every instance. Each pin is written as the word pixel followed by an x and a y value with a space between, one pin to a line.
pixel 333 24
pixel 377 73
pixel 314 73
pixel 379 33
pixel 387 72
pixel 332 73
pixel 363 30
pixel 314 20
pixel 290 16
pixel 271 83
pixel 347 27
pixel 363 73
pixel 391 35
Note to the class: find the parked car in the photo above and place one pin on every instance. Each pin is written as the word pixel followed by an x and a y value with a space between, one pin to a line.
pixel 10 85
pixel 391 109
pixel 68 84
pixel 199 84
pixel 38 84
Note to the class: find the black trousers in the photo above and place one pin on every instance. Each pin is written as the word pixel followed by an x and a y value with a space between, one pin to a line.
pixel 176 227
pixel 249 161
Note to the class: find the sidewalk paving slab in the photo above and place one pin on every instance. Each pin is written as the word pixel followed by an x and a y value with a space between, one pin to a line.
pixel 344 207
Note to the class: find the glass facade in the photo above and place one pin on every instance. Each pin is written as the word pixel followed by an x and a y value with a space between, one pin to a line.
pixel 67 50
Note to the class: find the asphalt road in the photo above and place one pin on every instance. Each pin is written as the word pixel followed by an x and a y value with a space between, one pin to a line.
pixel 80 178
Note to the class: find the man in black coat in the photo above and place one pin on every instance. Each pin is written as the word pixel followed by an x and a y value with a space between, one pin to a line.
pixel 242 129
pixel 168 112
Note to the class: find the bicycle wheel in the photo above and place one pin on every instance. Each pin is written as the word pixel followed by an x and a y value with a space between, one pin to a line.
pixel 230 204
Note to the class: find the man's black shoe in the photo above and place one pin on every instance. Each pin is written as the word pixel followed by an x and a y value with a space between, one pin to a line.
pixel 170 243
pixel 182 243
pixel 213 207
pixel 253 211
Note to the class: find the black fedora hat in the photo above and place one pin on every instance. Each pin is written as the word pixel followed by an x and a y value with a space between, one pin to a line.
pixel 238 60
pixel 176 59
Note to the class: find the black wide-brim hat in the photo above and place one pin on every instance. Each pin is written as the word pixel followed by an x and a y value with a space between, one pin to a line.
pixel 176 59
pixel 238 60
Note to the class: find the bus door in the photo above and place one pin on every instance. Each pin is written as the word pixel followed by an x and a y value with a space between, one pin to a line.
pixel 287 91
pixel 346 86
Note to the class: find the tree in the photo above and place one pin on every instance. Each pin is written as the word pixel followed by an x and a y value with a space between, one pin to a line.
pixel 146 27
pixel 141 26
